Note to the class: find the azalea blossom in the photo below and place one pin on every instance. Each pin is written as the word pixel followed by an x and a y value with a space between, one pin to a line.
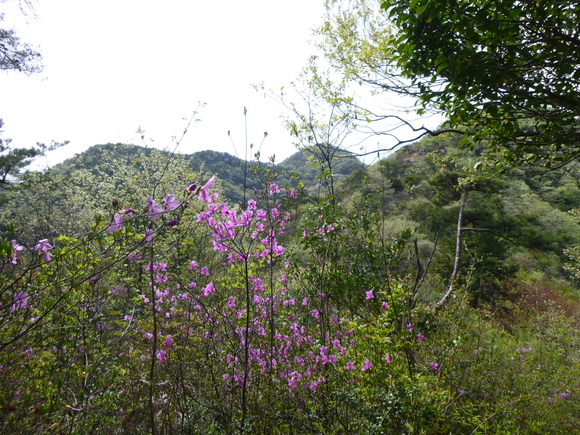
pixel 43 246
pixel 208 290
pixel 203 191
pixel 15 247
pixel 149 236
pixel 170 202
pixel 20 301
pixel 161 356
pixel 274 189
pixel 168 341
pixel 154 209
pixel 366 365
pixel 116 224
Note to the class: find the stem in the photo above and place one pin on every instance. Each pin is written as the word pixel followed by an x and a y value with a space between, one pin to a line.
pixel 154 348
pixel 458 245
pixel 246 346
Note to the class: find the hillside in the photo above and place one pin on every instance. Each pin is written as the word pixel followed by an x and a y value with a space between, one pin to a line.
pixel 334 292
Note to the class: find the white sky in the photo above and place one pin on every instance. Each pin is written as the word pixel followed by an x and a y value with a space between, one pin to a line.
pixel 112 66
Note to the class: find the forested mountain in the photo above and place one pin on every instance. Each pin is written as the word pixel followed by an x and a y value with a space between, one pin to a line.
pixel 233 173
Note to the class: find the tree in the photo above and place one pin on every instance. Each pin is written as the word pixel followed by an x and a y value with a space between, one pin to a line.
pixel 15 55
pixel 503 71
pixel 13 160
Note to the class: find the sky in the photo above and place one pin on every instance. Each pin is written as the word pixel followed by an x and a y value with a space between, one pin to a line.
pixel 112 67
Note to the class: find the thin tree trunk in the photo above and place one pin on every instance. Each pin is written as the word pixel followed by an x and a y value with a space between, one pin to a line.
pixel 458 245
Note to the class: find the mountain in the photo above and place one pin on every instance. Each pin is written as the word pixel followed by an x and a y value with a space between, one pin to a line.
pixel 233 172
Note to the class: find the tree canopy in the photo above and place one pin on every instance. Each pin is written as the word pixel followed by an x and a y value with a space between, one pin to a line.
pixel 16 55
pixel 506 71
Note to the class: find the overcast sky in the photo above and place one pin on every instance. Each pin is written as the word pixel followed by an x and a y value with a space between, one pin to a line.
pixel 112 66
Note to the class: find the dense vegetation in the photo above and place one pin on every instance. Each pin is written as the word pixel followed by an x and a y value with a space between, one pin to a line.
pixel 432 292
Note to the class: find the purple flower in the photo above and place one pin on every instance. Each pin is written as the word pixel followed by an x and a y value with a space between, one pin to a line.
pixel 171 223
pixel 116 224
pixel 370 294
pixel 385 305
pixel 203 191
pixel 366 365
pixel 20 301
pixel 564 395
pixel 409 327
pixel 15 248
pixel 434 366
pixel 208 290
pixel 350 365
pixel 154 209
pixel 274 189
pixel 170 202
pixel 148 236
pixel 43 246
pixel 420 337
pixel 93 280
pixel 168 342
pixel 161 356
pixel 461 392
pixel 388 358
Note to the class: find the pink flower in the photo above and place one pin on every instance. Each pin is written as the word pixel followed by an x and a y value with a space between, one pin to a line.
pixel 409 327
pixel 168 342
pixel 15 248
pixel 366 365
pixel 116 224
pixel 43 246
pixel 154 209
pixel 274 189
pixel 161 356
pixel 370 294
pixel 170 202
pixel 148 236
pixel 420 337
pixel 203 191
pixel 20 301
pixel 385 305
pixel 208 290
pixel 350 365
pixel 434 366
pixel 388 358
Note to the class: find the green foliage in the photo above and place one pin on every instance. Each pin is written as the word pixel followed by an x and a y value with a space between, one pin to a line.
pixel 506 71
pixel 13 160
pixel 15 55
